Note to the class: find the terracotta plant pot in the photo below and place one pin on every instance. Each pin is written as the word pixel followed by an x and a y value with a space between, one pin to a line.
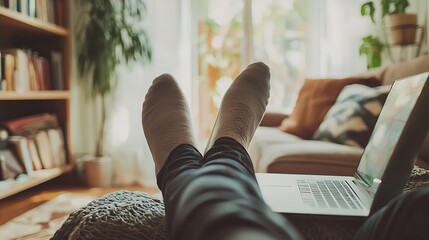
pixel 98 171
pixel 403 29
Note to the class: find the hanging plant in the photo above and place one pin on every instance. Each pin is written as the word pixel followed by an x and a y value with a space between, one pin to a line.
pixel 371 47
pixel 402 26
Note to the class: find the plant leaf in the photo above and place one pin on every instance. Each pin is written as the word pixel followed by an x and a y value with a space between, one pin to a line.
pixel 368 9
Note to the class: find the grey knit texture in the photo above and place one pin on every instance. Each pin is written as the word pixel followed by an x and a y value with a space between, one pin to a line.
pixel 137 215
pixel 119 215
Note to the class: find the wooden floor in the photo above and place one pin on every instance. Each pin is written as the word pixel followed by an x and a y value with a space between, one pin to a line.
pixel 18 204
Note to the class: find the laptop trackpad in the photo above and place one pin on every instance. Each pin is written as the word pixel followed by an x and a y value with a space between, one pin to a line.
pixel 280 192
pixel 285 198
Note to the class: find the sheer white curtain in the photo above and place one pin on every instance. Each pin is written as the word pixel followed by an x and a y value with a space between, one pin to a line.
pixel 169 34
pixel 336 30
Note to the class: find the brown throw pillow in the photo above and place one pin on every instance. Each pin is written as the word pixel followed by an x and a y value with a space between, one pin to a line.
pixel 315 98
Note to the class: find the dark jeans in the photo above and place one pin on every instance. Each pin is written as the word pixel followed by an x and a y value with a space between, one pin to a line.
pixel 217 197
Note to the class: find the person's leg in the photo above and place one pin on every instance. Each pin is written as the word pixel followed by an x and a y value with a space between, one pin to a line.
pixel 166 119
pixel 220 200
pixel 167 127
pixel 405 217
pixel 237 210
pixel 223 201
pixel 243 106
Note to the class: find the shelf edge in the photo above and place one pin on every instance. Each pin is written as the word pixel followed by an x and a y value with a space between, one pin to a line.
pixel 35 95
pixel 39 177
pixel 32 22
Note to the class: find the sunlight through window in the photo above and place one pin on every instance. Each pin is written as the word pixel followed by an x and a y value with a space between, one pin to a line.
pixel 278 37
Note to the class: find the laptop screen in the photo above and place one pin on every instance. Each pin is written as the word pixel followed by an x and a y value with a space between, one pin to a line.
pixel 388 129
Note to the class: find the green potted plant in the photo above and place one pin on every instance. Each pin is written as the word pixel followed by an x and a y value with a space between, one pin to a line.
pixel 108 33
pixel 402 25
pixel 372 48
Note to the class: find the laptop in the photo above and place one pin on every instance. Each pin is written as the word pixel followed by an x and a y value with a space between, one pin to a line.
pixel 383 171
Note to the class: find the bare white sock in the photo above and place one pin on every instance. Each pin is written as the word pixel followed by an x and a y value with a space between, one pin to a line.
pixel 243 106
pixel 165 118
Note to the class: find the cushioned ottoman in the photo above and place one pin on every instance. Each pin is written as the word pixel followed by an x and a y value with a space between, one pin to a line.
pixel 119 215
pixel 137 215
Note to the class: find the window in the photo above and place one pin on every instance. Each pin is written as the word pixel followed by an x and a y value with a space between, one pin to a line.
pixel 232 34
pixel 280 39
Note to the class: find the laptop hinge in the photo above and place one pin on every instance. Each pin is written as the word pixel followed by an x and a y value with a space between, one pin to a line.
pixel 364 192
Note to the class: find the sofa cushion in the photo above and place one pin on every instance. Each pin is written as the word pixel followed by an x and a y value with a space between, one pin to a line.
pixel 263 138
pixel 272 150
pixel 352 118
pixel 314 100
pixel 311 157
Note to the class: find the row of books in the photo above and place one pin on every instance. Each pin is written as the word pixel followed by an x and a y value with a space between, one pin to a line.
pixel 36 143
pixel 42 150
pixel 43 10
pixel 25 70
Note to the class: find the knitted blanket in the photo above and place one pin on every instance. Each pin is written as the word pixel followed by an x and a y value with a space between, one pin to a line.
pixel 137 215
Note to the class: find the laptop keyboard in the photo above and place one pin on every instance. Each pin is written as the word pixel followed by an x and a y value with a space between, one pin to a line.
pixel 328 194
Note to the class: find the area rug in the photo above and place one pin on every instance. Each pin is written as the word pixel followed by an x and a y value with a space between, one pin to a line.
pixel 42 221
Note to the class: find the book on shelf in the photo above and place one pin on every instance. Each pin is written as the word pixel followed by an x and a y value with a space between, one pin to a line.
pixel 32 75
pixel 56 140
pixel 36 63
pixel 43 10
pixel 57 70
pixel 51 11
pixel 51 149
pixel 26 70
pixel 9 165
pixel 41 150
pixel 23 6
pixel 34 153
pixel 45 150
pixel 13 5
pixel 30 124
pixel 19 145
pixel 59 12
pixel 9 69
pixel 19 70
pixel 32 8
pixel 46 72
pixel 37 141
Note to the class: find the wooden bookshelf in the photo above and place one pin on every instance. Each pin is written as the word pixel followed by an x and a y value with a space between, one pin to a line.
pixel 17 30
pixel 10 187
pixel 23 23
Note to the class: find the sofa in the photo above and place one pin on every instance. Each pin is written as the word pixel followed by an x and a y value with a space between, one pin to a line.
pixel 276 151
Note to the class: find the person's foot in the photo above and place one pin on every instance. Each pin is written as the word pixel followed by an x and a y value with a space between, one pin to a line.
pixel 165 118
pixel 243 106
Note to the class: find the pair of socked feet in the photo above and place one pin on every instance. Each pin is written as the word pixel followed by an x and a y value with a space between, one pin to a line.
pixel 167 123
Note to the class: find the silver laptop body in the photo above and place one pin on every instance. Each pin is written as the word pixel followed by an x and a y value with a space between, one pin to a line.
pixel 383 171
